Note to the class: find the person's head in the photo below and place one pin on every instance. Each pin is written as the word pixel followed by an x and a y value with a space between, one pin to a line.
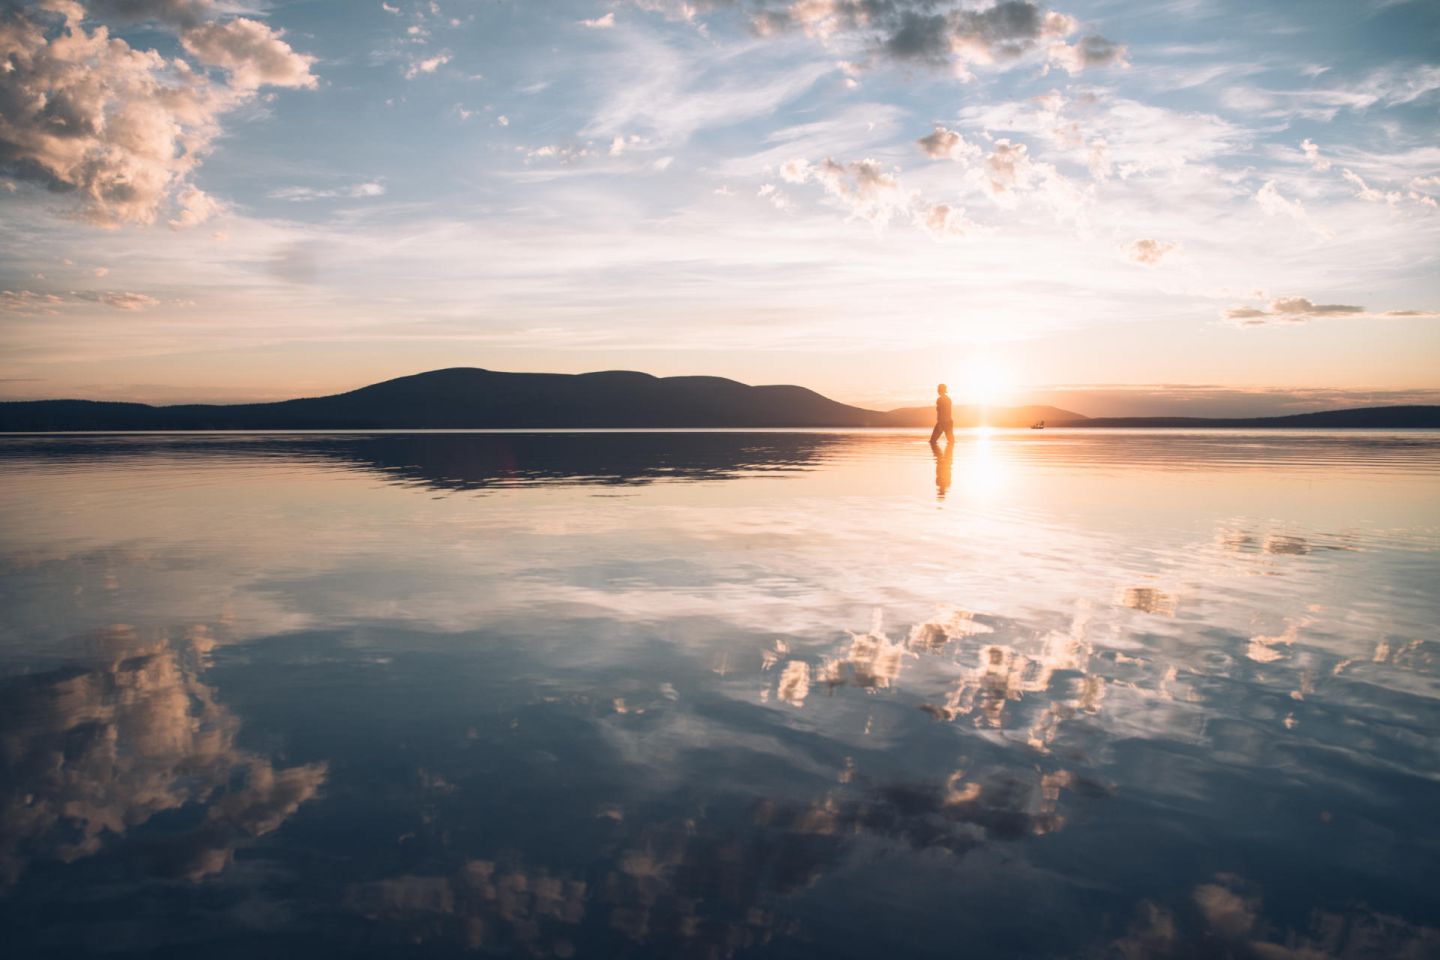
pixel 942 389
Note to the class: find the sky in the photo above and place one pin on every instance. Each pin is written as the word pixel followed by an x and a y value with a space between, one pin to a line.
pixel 1172 206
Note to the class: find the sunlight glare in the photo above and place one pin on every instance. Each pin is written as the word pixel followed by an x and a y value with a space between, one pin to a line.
pixel 987 383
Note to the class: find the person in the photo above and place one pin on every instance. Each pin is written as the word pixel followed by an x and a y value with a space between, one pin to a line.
pixel 944 422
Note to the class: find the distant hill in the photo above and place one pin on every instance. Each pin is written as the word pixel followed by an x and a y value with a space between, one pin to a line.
pixel 469 398
pixel 1373 418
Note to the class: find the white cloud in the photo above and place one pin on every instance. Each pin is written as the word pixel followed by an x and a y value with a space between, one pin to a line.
pixel 942 220
pixel 1368 193
pixel 945 144
pixel 357 191
pixel 253 54
pixel 775 196
pixel 120 128
pixel 1092 51
pixel 427 65
pixel 1276 204
pixel 666 93
pixel 1386 87
pixel 863 187
pixel 600 23
pixel 1149 252
pixel 1312 156
pixel 195 206
pixel 29 302
pixel 565 153
pixel 1303 310
pixel 127 300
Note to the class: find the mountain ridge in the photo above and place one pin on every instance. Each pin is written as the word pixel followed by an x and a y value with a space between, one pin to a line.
pixel 475 398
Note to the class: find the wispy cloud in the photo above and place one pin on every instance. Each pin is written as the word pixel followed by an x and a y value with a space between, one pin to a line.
pixel 1303 310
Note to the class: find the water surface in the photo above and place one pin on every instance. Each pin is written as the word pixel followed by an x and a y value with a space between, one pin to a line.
pixel 1059 694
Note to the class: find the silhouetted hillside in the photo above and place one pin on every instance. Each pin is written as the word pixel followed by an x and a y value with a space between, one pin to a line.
pixel 1373 418
pixel 468 398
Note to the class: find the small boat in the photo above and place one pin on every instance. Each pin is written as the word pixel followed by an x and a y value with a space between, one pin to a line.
pixel 1038 425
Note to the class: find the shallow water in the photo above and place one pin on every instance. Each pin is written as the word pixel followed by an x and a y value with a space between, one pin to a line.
pixel 1065 694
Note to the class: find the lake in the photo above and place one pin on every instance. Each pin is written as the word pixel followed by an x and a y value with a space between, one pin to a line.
pixel 1058 694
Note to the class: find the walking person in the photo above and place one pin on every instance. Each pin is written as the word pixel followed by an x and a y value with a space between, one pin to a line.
pixel 944 421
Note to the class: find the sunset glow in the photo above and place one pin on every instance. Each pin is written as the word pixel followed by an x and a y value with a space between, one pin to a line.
pixel 1215 207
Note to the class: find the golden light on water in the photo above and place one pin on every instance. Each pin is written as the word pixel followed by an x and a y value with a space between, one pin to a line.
pixel 981 468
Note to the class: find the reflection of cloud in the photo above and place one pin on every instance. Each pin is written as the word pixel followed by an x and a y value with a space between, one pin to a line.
pixel 698 886
pixel 484 905
pixel 1150 600
pixel 1263 649
pixel 1224 914
pixel 872 662
pixel 87 756
pixel 933 635
pixel 795 682
pixel 1289 546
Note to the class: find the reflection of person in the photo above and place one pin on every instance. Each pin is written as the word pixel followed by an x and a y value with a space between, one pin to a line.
pixel 944 460
pixel 944 422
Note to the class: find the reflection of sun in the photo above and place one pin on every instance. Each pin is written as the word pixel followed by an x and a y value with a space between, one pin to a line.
pixel 980 470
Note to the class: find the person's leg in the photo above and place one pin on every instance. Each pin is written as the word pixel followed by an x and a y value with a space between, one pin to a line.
pixel 949 433
pixel 935 434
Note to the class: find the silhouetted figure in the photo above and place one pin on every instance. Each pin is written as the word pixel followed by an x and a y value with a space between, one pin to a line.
pixel 944 421
pixel 944 460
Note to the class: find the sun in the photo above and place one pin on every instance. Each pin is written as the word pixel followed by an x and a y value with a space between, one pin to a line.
pixel 987 383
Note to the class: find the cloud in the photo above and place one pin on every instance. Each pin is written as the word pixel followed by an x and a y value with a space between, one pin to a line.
pixel 1011 173
pixel 775 196
pixel 1303 310
pixel 945 144
pixel 194 206
pixel 370 188
pixel 174 13
pixel 1368 193
pixel 29 302
pixel 942 220
pixel 1275 204
pixel 1113 135
pixel 122 129
pixel 1009 167
pixel 863 187
pixel 427 65
pixel 127 300
pixel 600 23
pixel 251 52
pixel 1150 252
pixel 1091 51
pixel 944 34
pixel 565 153
pixel 1312 156
pixel 1385 87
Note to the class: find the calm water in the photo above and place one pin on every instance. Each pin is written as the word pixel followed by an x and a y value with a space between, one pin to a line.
pixel 1084 694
